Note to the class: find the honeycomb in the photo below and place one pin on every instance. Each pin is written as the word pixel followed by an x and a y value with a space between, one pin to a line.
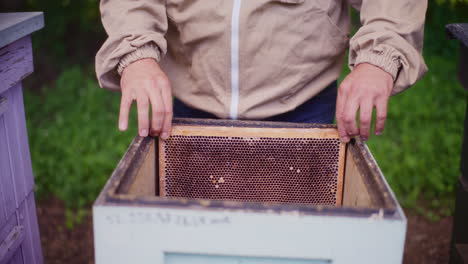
pixel 301 170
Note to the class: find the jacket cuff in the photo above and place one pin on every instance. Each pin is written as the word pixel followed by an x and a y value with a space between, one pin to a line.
pixel 147 51
pixel 387 60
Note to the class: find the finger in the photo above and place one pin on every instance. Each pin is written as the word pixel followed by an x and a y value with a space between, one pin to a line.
pixel 167 101
pixel 125 105
pixel 339 118
pixel 143 122
pixel 381 115
pixel 365 118
pixel 157 112
pixel 349 116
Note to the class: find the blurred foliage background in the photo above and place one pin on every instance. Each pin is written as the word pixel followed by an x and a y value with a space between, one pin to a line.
pixel 75 143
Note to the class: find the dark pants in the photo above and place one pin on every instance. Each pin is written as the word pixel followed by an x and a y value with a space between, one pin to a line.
pixel 319 109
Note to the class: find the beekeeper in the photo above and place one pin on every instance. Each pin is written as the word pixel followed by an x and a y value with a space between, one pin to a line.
pixel 259 59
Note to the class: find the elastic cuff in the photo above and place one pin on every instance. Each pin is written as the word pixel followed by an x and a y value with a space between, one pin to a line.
pixel 143 52
pixel 387 60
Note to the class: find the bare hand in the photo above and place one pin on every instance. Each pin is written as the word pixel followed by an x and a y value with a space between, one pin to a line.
pixel 143 81
pixel 366 87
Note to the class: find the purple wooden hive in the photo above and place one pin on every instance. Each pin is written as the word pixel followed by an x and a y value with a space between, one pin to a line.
pixel 19 233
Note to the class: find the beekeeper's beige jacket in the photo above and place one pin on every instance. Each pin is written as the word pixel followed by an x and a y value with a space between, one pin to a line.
pixel 251 59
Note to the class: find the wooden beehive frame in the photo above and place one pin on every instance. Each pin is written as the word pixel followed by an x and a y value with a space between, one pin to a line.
pixel 133 182
pixel 255 132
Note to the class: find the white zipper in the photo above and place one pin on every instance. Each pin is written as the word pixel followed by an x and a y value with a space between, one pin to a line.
pixel 235 59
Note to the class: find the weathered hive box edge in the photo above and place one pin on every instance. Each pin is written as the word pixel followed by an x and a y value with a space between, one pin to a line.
pixel 165 230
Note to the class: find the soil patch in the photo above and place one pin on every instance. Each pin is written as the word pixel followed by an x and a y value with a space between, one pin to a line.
pixel 59 244
pixel 427 242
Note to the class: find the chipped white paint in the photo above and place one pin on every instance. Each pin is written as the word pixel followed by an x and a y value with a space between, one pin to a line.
pixel 125 234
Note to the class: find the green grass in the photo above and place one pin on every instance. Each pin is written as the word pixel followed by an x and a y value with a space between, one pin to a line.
pixel 73 135
pixel 420 150
pixel 75 143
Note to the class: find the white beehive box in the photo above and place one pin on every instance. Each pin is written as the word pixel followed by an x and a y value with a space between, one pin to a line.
pixel 133 224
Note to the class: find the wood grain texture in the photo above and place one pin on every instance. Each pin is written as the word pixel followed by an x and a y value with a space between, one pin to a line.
pixel 132 162
pixel 144 183
pixel 11 245
pixel 16 62
pixel 254 132
pixel 14 26
pixel 31 247
pixel 17 206
pixel 17 148
pixel 161 166
pixel 372 175
pixel 355 193
pixel 341 173
pixel 7 192
pixel 7 227
pixel 3 105
pixel 5 230
pixel 22 136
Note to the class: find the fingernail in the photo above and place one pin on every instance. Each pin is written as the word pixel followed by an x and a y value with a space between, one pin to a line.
pixel 122 126
pixel 378 133
pixel 164 136
pixel 364 138
pixel 143 132
pixel 345 139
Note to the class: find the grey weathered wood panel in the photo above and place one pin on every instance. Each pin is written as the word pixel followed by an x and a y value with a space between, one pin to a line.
pixel 7 195
pixel 19 232
pixel 8 226
pixel 17 175
pixel 11 238
pixel 27 219
pixel 12 244
pixel 14 26
pixel 15 62
pixel 22 136
pixel 18 161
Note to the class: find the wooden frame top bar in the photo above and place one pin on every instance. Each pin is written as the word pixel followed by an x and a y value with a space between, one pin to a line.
pixel 255 132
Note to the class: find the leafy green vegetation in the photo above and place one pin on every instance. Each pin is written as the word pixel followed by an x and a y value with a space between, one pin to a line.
pixel 74 140
pixel 420 150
